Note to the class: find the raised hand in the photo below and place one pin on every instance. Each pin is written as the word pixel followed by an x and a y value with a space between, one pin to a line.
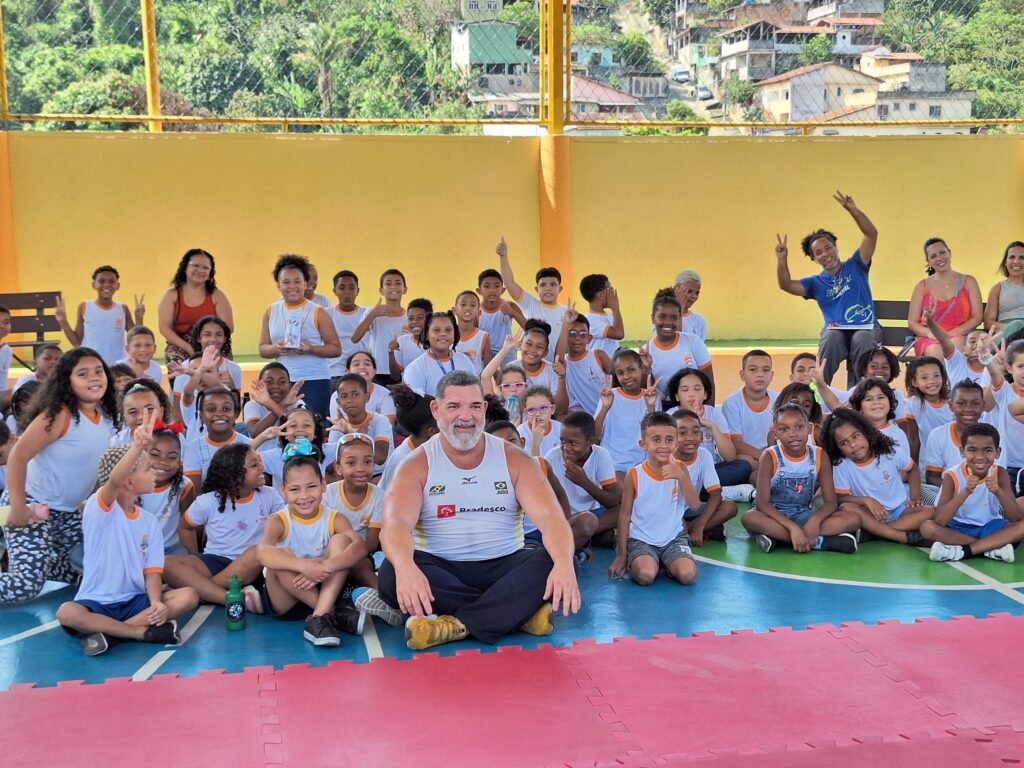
pixel 143 434
pixel 259 393
pixel 651 392
pixel 340 424
pixel 645 357
pixel 781 247
pixel 211 359
pixel 973 481
pixel 611 297
pixel 379 309
pixel 992 479
pixel 511 342
pixel 501 248
pixel 845 200
pixel 505 308
pixel 570 313
pixel 606 392
pixel 393 345
pixel 559 366
pixel 59 311
pixel 140 305
pixel 292 396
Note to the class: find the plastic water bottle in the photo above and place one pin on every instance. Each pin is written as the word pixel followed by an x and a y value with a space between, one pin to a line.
pixel 234 605
pixel 512 406
pixel 986 349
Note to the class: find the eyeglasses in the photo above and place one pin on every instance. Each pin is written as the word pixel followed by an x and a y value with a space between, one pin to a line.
pixel 537 410
pixel 513 386
pixel 351 437
pixel 576 334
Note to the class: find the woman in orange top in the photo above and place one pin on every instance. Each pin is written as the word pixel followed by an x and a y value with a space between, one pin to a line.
pixel 193 295
pixel 955 298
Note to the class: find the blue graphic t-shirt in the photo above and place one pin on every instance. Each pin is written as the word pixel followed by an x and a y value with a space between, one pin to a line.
pixel 845 297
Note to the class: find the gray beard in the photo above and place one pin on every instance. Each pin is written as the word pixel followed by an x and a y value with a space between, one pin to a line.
pixel 463 442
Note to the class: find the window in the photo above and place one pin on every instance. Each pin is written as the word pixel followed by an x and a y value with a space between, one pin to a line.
pixel 492 5
pixel 474 5
pixel 839 91
pixel 896 107
pixel 935 111
pixel 913 106
pixel 883 111
pixel 787 96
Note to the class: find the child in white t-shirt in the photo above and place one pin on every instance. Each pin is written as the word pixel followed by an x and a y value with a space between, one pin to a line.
pixel 705 522
pixel 544 306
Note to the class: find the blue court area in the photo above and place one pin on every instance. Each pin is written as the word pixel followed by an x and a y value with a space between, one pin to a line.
pixel 739 588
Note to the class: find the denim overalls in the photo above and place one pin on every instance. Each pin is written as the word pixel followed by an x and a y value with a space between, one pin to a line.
pixel 793 486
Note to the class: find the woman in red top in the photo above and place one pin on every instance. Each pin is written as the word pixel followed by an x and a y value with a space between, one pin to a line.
pixel 193 295
pixel 955 297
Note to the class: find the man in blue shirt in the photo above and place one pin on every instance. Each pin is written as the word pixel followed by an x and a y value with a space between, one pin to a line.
pixel 841 290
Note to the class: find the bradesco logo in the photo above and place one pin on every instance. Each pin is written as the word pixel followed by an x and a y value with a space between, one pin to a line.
pixel 445 511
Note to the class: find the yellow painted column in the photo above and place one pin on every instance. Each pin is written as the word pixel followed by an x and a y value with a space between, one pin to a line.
pixel 3 67
pixel 556 208
pixel 8 260
pixel 556 66
pixel 149 55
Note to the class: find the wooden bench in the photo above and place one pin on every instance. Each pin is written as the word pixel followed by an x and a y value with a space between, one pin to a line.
pixel 897 333
pixel 37 318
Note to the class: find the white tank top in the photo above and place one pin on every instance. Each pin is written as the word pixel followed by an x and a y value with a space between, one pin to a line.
pixel 307 538
pixel 472 347
pixel 469 514
pixel 583 378
pixel 103 330
pixel 498 326
pixel 63 474
pixel 297 324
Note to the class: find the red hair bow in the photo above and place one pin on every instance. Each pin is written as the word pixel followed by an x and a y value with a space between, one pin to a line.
pixel 174 426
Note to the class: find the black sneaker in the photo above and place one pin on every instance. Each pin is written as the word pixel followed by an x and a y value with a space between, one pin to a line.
pixel 95 644
pixel 715 534
pixel 915 539
pixel 844 542
pixel 165 634
pixel 605 540
pixel 864 536
pixel 348 620
pixel 320 631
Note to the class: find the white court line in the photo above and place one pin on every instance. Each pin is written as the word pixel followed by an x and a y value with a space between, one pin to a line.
pixel 195 623
pixel 373 647
pixel 876 584
pixel 30 632
pixel 146 670
pixel 1005 590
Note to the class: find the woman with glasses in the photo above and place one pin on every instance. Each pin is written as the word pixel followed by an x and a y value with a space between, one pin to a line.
pixel 192 296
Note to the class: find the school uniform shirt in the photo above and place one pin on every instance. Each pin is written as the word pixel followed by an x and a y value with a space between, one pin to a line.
pixel 703 476
pixel 600 325
pixel 747 424
pixel 253 410
pixel 927 417
pixel 599 469
pixel 345 322
pixel 552 314
pixel 899 437
pixel 121 548
pixel 696 325
pixel 621 434
pixel 944 448
pixel 6 355
pixel 424 373
pixel 231 377
pixel 658 507
pixel 377 427
pixel 63 474
pixel 165 504
pixel 1011 431
pixel 843 395
pixel 23 380
pixel 408 350
pixel 382 330
pixel 273 461
pixel 398 455
pixel 498 327
pixel 380 402
pixel 198 453
pixel 307 538
pixel 362 516
pixel 153 370
pixel 552 437
pixel 686 351
pixel 710 413
pixel 473 346
pixel 103 330
pixel 231 532
pixel 878 478
pixel 544 376
pixel 584 378
pixel 296 324
pixel 981 507
pixel 958 368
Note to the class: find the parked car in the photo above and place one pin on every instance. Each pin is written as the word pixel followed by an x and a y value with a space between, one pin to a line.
pixel 680 74
pixel 704 93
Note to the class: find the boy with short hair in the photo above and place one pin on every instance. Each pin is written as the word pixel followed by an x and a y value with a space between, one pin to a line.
pixel 802 368
pixel 977 513
pixel 384 322
pixel 603 315
pixel 353 395
pixel 121 592
pixel 749 410
pixel 544 306
pixel 657 494
pixel 705 522
pixel 100 325
pixel 496 313
pixel 687 291
pixel 585 365
pixel 140 344
pixel 586 472
pixel 944 449
pixel 405 348
pixel 347 316
pixel 45 360
pixel 474 343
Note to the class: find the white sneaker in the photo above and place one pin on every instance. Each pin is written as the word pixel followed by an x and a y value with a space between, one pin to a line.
pixel 1004 553
pixel 942 552
pixel 738 492
pixel 253 599
pixel 372 603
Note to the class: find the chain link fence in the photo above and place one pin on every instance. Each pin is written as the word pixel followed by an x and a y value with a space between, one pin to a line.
pixel 648 66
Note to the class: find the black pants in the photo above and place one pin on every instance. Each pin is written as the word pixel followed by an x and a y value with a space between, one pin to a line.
pixel 491 597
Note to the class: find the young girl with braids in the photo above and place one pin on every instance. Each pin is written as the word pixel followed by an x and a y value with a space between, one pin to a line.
pixel 232 510
pixel 52 468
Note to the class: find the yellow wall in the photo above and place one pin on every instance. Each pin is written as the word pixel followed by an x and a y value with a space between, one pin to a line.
pixel 642 209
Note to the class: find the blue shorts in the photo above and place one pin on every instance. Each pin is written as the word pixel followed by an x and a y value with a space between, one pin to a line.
pixel 895 514
pixel 979 531
pixel 215 563
pixel 118 611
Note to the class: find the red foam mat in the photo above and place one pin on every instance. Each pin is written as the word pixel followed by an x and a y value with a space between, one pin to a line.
pixel 926 694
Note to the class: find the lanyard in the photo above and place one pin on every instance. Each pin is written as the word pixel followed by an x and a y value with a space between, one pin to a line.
pixel 440 365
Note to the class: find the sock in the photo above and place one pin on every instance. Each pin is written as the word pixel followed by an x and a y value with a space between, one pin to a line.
pixel 968 552
pixel 819 542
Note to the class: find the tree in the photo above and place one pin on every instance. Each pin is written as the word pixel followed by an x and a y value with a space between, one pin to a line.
pixel 527 21
pixel 740 92
pixel 634 52
pixel 986 56
pixel 661 11
pixel 816 51
pixel 674 110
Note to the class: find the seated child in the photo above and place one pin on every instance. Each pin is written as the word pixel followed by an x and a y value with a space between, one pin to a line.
pixel 364 365
pixel 121 592
pixel 45 361
pixel 748 411
pixel 173 494
pixel 868 473
pixel 439 354
pixel 624 404
pixel 803 367
pixel 540 432
pixel 307 550
pixel 232 511
pixel 802 395
pixel 586 473
pixel 218 410
pixel 273 395
pixel 705 521
pixel 787 476
pixel 353 400
pixel 140 398
pixel 944 449
pixel 300 433
pixel 407 346
pixel 121 375
pixel 977 512
pixel 657 493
